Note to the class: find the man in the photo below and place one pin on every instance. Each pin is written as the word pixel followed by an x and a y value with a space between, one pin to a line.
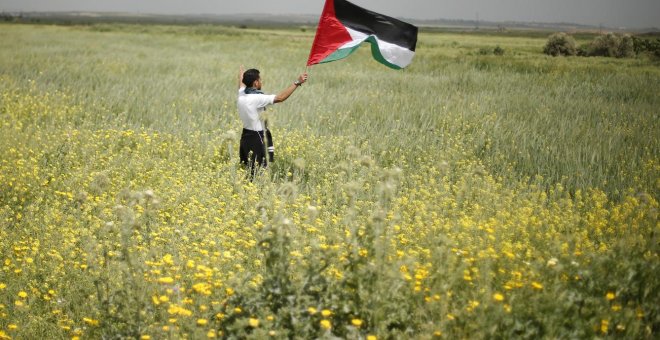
pixel 251 103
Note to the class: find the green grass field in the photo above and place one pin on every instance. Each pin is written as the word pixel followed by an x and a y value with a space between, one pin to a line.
pixel 470 195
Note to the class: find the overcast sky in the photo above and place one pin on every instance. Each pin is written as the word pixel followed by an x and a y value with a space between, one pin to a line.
pixel 612 13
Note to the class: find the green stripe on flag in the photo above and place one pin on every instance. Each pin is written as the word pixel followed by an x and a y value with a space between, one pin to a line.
pixel 340 54
pixel 375 52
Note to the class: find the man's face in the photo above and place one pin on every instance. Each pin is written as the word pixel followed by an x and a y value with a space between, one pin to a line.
pixel 258 83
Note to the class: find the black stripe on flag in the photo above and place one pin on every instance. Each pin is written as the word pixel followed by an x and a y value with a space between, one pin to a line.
pixel 384 27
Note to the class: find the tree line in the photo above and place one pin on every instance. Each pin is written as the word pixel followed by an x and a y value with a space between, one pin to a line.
pixel 606 45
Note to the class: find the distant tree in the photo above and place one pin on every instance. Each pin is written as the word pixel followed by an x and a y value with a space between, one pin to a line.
pixel 640 45
pixel 612 45
pixel 654 47
pixel 626 47
pixel 646 46
pixel 560 44
pixel 606 45
pixel 8 17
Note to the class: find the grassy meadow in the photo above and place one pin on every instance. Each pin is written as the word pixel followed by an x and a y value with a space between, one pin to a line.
pixel 471 195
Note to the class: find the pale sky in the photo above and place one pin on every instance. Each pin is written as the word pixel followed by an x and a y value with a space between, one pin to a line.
pixel 611 13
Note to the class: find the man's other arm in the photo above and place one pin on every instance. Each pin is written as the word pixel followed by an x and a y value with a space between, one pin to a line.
pixel 240 77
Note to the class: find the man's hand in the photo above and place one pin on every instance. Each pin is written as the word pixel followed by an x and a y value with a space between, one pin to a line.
pixel 302 78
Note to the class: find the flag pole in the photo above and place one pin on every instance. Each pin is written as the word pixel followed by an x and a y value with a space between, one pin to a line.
pixel 307 69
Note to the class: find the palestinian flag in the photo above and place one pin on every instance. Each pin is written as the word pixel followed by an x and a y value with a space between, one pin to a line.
pixel 344 26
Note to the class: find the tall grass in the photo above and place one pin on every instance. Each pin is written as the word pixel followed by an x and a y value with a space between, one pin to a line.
pixel 467 196
pixel 562 119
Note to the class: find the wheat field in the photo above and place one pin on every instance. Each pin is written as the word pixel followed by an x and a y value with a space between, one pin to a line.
pixel 471 195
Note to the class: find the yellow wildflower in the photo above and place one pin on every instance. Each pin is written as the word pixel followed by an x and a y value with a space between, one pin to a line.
pixel 174 310
pixel 91 321
pixel 168 259
pixel 253 322
pixel 325 324
pixel 326 313
pixel 166 279
pixel 356 322
pixel 537 285
pixel 498 297
pixel 202 288
pixel 371 337
pixel 610 296
pixel 604 325
pixel 202 322
pixel 22 294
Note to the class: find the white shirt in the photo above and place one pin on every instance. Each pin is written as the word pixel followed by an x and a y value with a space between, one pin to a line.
pixel 250 106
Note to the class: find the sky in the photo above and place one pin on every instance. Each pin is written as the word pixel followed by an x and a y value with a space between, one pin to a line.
pixel 609 13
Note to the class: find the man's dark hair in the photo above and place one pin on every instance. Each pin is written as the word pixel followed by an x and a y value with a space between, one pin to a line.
pixel 250 76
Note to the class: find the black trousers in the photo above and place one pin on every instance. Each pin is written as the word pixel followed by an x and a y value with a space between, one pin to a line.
pixel 253 148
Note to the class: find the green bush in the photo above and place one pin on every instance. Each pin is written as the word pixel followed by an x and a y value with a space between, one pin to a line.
pixel 612 45
pixel 583 50
pixel 497 50
pixel 646 46
pixel 484 51
pixel 626 47
pixel 560 44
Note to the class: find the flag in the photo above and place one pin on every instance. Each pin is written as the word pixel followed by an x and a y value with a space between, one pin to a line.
pixel 343 26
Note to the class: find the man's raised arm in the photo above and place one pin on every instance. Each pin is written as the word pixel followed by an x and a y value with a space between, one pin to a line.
pixel 282 96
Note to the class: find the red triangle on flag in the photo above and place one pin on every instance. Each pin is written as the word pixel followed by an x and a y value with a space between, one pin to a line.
pixel 330 35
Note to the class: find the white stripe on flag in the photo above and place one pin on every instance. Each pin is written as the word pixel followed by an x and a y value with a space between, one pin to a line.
pixel 393 53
